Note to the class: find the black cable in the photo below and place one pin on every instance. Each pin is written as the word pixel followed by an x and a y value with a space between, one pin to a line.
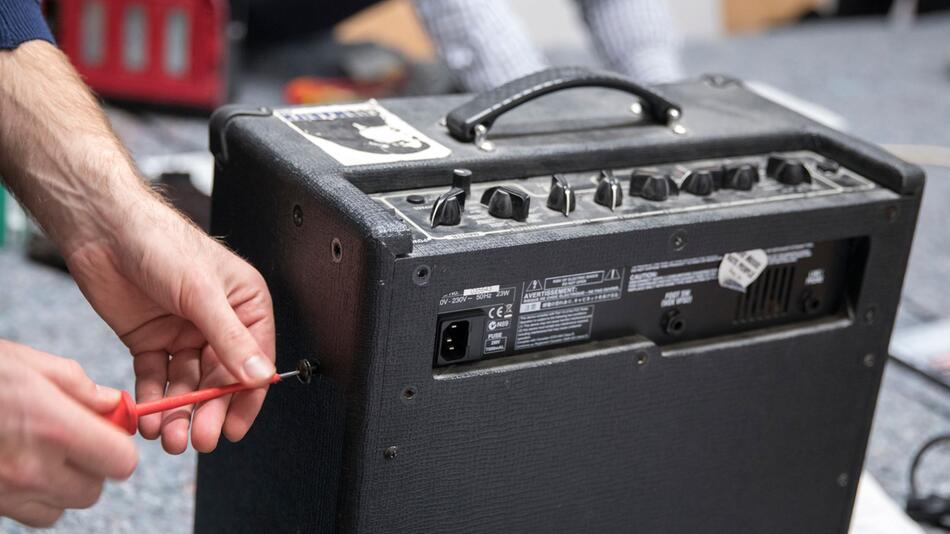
pixel 933 509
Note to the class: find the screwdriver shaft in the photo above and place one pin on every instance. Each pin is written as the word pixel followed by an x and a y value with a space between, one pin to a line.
pixel 126 413
pixel 168 403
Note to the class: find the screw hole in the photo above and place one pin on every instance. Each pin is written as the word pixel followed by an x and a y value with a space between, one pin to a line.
pixel 641 358
pixel 336 249
pixel 890 213
pixel 421 275
pixel 678 240
pixel 409 393
pixel 298 215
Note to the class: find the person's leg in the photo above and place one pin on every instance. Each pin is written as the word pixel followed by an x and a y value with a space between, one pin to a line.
pixel 481 41
pixel 850 8
pixel 637 38
pixel 275 21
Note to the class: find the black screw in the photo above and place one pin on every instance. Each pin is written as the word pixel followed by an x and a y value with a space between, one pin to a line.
pixel 890 213
pixel 421 276
pixel 336 249
pixel 390 452
pixel 641 358
pixel 678 240
pixel 843 480
pixel 298 215
pixel 868 360
pixel 870 314
pixel 307 368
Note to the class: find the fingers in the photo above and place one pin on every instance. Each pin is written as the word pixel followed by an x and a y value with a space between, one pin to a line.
pixel 207 306
pixel 151 375
pixel 69 377
pixel 184 373
pixel 95 446
pixel 35 514
pixel 242 411
pixel 209 416
pixel 69 487
pixel 246 405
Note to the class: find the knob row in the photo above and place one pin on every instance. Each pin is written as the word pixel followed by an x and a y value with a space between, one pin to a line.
pixel 509 203
pixel 659 187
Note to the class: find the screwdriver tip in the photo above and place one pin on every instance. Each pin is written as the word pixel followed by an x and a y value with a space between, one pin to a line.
pixel 304 371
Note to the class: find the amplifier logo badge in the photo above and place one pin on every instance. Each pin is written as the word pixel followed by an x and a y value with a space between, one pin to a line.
pixel 361 134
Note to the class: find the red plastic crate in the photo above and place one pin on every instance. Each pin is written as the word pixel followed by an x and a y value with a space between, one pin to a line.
pixel 170 52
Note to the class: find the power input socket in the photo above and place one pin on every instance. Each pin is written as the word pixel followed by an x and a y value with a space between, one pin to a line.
pixel 460 337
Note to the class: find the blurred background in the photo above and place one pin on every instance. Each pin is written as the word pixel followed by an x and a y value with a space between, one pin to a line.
pixel 879 69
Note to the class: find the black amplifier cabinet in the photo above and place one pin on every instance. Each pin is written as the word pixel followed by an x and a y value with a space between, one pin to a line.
pixel 618 309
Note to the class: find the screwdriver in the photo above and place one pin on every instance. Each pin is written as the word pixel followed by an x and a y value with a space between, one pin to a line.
pixel 126 414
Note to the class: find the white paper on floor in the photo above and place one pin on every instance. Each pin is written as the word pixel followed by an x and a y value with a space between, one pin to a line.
pixel 198 165
pixel 876 513
pixel 925 347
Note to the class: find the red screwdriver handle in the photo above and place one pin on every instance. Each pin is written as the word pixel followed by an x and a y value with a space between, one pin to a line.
pixel 123 415
pixel 126 414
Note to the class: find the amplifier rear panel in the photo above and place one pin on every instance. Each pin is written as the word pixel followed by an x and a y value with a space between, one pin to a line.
pixel 670 301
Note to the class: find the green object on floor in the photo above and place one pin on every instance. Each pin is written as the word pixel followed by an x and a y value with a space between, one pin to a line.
pixel 3 216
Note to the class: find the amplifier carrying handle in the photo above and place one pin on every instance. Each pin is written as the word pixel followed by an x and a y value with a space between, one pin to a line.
pixel 472 120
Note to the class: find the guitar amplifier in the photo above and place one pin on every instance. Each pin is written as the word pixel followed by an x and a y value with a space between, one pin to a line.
pixel 609 309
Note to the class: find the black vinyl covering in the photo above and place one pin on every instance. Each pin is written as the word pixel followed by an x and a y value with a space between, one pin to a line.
pixel 757 432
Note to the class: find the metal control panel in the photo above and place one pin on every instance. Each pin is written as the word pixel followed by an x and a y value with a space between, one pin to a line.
pixel 468 209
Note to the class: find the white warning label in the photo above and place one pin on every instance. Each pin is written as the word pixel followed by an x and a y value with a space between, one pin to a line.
pixel 572 290
pixel 679 297
pixel 554 326
pixel 790 254
pixel 645 281
pixel 738 270
pixel 690 271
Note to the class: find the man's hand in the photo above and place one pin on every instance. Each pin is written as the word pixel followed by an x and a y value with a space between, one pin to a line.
pixel 192 313
pixel 168 289
pixel 55 450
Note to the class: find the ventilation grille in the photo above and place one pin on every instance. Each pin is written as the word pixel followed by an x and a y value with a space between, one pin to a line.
pixel 768 297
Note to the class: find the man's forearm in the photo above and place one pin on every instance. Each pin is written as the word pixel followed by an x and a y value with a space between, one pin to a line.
pixel 57 151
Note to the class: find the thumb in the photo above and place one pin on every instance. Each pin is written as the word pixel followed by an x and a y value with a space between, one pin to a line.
pixel 69 376
pixel 229 337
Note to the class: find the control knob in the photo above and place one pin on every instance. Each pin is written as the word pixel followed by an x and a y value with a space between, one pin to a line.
pixel 507 203
pixel 562 197
pixel 787 171
pixel 741 177
pixel 652 186
pixel 701 182
pixel 447 209
pixel 609 193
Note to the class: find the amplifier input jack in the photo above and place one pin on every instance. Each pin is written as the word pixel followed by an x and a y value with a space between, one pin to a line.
pixel 673 323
